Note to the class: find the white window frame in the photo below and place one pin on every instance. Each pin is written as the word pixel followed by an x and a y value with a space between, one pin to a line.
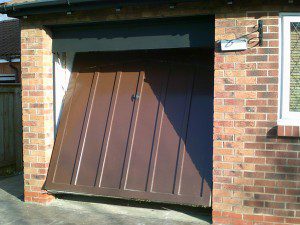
pixel 285 116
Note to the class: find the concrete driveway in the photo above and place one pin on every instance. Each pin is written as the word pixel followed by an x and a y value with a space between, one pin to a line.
pixel 88 210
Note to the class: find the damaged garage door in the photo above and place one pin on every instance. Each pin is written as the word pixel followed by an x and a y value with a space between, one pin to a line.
pixel 137 125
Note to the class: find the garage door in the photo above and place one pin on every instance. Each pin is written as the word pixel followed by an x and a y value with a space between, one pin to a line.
pixel 137 125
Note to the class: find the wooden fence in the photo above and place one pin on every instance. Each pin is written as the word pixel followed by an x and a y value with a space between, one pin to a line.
pixel 10 126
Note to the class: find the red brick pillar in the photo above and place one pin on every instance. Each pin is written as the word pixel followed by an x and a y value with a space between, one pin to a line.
pixel 37 104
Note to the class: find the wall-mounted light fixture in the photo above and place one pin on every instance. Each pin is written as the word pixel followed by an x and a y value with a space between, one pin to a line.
pixel 241 43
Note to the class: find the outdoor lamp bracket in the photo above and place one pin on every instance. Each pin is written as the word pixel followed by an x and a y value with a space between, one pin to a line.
pixel 241 43
pixel 260 33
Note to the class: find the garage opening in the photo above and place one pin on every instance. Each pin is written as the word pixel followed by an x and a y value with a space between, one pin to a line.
pixel 137 124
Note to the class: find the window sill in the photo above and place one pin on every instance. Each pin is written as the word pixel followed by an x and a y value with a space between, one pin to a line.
pixel 288 122
pixel 288 131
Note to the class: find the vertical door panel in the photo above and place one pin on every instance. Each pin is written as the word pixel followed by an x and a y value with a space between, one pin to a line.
pixel 94 130
pixel 71 132
pixel 166 159
pixel 142 141
pixel 197 161
pixel 117 138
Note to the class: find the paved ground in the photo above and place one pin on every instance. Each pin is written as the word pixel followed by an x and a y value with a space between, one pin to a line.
pixel 87 210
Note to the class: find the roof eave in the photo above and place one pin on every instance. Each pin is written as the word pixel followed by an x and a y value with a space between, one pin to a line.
pixel 58 6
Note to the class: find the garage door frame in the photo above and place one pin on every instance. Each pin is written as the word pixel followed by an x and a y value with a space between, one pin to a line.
pixel 110 193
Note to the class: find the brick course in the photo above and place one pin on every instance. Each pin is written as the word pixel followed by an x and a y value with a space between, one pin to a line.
pixel 288 131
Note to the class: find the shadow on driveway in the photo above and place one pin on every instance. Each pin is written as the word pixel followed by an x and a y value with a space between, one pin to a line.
pixel 90 210
pixel 203 214
pixel 13 186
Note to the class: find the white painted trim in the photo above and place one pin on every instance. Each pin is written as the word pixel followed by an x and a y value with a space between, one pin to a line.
pixel 285 116
pixel 7 61
pixel 62 63
pixel 279 115
pixel 285 14
pixel 288 122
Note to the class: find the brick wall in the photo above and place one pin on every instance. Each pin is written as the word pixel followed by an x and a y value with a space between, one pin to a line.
pixel 256 174
pixel 37 104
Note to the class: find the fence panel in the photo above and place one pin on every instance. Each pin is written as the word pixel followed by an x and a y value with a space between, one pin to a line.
pixel 10 126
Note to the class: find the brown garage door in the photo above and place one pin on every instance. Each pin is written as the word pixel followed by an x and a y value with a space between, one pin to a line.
pixel 136 125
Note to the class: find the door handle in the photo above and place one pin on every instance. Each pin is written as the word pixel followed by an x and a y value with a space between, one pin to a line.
pixel 135 97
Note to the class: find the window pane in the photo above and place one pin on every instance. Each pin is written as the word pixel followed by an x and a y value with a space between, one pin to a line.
pixel 295 68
